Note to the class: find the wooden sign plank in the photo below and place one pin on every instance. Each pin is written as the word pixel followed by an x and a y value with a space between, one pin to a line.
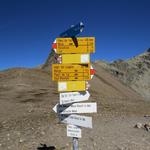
pixel 70 72
pixel 75 58
pixel 67 45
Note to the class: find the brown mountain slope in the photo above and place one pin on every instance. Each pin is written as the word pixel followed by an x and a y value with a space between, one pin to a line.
pixel 50 60
pixel 134 72
pixel 109 86
pixel 27 97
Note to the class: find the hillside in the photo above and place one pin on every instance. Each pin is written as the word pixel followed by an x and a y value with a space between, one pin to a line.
pixel 27 97
pixel 134 72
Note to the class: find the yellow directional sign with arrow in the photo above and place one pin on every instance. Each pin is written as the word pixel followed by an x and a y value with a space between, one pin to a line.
pixel 71 72
pixel 67 45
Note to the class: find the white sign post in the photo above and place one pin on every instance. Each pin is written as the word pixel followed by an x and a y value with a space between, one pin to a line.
pixel 71 97
pixel 73 131
pixel 82 121
pixel 76 108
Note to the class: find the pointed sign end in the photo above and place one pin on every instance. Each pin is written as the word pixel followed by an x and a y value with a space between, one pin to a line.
pixel 55 108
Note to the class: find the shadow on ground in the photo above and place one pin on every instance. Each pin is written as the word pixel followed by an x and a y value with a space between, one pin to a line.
pixel 45 147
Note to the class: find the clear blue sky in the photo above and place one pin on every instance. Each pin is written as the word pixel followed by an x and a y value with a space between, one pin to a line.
pixel 28 27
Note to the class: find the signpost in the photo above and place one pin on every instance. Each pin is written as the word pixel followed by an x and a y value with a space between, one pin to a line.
pixel 72 73
pixel 71 97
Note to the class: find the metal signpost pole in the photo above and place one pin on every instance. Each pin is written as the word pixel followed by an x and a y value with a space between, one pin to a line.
pixel 75 143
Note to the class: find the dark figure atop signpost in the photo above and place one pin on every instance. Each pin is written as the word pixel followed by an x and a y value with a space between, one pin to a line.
pixel 73 31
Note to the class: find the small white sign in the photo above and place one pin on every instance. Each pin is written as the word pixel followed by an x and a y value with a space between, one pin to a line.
pixel 76 108
pixel 71 97
pixel 77 120
pixel 62 86
pixel 73 131
pixel 85 58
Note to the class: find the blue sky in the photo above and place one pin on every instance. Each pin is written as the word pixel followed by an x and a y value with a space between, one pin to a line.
pixel 28 28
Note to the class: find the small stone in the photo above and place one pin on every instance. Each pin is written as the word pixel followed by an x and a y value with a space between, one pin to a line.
pixel 0 144
pixel 120 148
pixel 43 133
pixel 18 133
pixel 102 138
pixel 21 140
pixel 94 144
pixel 138 125
pixel 31 110
pixel 3 122
pixel 33 142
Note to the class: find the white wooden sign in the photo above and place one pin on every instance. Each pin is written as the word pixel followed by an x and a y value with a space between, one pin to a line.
pixel 73 131
pixel 76 108
pixel 71 97
pixel 77 120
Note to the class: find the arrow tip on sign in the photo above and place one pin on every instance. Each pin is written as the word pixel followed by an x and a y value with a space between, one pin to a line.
pixel 59 59
pixel 92 71
pixel 54 45
pixel 87 85
pixel 82 25
pixel 55 108
pixel 88 94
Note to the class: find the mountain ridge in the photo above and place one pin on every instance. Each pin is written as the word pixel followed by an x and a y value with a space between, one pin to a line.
pixel 134 72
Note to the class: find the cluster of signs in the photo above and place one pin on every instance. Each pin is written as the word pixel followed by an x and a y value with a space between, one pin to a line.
pixel 72 73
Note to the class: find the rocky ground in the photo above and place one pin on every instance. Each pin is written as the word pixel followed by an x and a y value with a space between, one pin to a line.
pixel 27 97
